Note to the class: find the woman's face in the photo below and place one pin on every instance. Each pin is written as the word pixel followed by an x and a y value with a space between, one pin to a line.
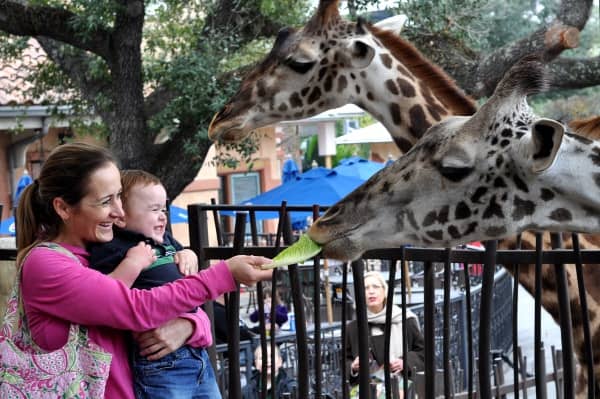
pixel 92 219
pixel 375 294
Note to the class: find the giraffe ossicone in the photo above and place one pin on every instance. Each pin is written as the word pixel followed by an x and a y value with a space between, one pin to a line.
pixel 495 174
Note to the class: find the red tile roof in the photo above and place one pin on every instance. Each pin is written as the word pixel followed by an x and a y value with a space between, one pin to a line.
pixel 14 83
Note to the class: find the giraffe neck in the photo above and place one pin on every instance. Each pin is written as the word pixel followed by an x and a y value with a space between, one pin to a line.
pixel 407 93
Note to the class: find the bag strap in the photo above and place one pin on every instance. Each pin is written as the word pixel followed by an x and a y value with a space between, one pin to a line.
pixel 15 320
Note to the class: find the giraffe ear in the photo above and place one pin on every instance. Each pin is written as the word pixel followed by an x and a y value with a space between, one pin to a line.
pixel 358 54
pixel 395 23
pixel 546 137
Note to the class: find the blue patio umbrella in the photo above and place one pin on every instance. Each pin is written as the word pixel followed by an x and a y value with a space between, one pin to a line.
pixel 23 182
pixel 7 226
pixel 358 167
pixel 177 214
pixel 289 171
pixel 320 186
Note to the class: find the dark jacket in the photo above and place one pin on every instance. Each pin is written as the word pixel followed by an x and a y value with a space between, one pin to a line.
pixel 414 338
pixel 105 257
pixel 220 323
pixel 283 384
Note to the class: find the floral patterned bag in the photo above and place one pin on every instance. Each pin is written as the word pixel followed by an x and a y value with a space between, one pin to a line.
pixel 77 370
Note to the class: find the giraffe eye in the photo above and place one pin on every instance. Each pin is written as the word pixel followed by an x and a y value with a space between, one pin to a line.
pixel 299 66
pixel 453 173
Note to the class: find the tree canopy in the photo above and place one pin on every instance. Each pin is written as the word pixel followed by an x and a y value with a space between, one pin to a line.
pixel 155 71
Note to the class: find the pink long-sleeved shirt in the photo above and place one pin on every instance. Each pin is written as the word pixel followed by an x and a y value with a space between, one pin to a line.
pixel 58 291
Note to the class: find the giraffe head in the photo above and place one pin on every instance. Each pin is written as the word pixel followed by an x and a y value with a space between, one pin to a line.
pixel 491 175
pixel 331 62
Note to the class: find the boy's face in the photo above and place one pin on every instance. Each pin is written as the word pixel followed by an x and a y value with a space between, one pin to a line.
pixel 146 211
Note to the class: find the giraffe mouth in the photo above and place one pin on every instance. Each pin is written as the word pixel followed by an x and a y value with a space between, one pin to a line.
pixel 342 247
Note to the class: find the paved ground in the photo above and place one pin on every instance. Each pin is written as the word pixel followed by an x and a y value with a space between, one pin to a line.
pixel 550 337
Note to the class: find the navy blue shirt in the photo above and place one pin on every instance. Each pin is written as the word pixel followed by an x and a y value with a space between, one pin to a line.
pixel 105 257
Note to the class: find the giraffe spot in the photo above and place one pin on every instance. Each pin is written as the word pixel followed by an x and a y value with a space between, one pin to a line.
pixel 314 95
pixel 499 160
pixel 412 220
pixel 430 219
pixel 328 85
pixel 470 228
pixel 260 88
pixel 386 187
pixel 495 231
pixel 454 233
pixel 435 234
pixel 418 122
pixel 581 139
pixel 295 100
pixel 357 88
pixel 407 89
pixel 595 156
pixel 282 107
pixel 363 74
pixel 549 281
pixel 499 182
pixel 522 208
pixel 434 112
pixel 493 209
pixel 322 73
pixel 299 114
pixel 596 177
pixel 546 194
pixel 324 61
pixel 494 140
pixel 480 192
pixel 520 134
pixel 404 72
pixel 406 176
pixel 520 183
pixel 403 144
pixel 462 211
pixel 504 143
pixel 352 76
pixel 304 91
pixel 342 83
pixel 370 96
pixel 391 86
pixel 386 60
pixel 506 133
pixel 561 215
pixel 395 112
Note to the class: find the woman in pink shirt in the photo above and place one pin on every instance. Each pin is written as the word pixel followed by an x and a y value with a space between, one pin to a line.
pixel 75 201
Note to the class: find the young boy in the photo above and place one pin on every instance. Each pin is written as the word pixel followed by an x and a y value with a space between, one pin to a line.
pixel 186 372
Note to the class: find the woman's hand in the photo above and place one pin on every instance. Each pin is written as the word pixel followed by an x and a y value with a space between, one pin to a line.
pixel 246 269
pixel 187 262
pixel 396 366
pixel 165 339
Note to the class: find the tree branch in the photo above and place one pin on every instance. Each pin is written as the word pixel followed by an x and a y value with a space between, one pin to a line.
pixel 53 22
pixel 575 73
pixel 550 41
pixel 75 66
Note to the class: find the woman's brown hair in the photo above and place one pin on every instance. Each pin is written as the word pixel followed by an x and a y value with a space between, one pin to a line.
pixel 64 174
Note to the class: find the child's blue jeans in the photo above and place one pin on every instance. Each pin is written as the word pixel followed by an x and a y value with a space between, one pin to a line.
pixel 186 373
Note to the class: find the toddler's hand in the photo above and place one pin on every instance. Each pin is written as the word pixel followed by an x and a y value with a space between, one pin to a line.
pixel 141 255
pixel 187 262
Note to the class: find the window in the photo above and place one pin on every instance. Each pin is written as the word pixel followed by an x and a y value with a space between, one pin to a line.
pixel 245 186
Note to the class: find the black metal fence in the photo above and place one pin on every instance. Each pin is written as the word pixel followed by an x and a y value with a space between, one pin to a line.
pixel 488 327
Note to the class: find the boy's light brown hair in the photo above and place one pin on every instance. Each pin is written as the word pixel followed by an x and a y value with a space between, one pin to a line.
pixel 134 177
